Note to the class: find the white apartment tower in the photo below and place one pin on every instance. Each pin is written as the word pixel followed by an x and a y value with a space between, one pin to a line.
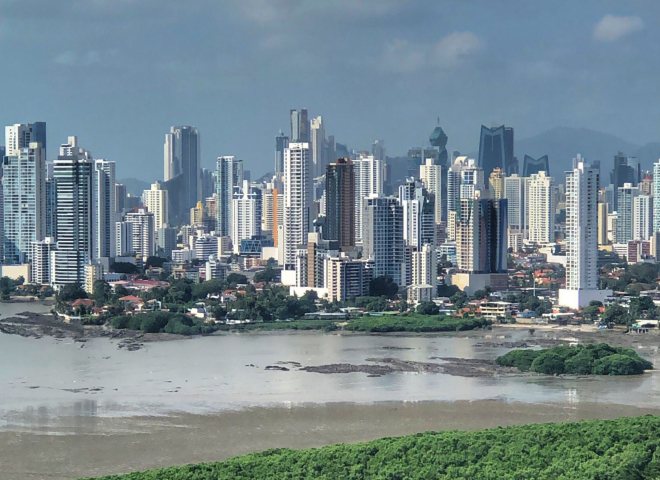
pixel 540 208
pixel 369 177
pixel 297 199
pixel 656 196
pixel 431 176
pixel 155 199
pixel 228 177
pixel 246 214
pixel 142 233
pixel 581 237
pixel 104 208
pixel 642 222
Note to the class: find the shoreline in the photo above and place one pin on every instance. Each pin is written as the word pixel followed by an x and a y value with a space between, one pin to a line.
pixel 107 445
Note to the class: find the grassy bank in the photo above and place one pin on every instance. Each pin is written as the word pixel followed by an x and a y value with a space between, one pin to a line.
pixel 622 449
pixel 414 323
pixel 597 359
pixel 325 325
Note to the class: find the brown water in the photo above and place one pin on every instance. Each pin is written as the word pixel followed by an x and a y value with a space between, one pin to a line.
pixel 68 408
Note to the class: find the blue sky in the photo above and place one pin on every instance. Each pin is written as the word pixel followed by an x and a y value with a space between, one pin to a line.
pixel 118 73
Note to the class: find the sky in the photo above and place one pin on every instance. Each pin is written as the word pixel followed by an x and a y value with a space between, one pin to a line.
pixel 119 73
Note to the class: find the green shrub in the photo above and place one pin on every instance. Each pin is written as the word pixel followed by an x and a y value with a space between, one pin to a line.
pixel 521 359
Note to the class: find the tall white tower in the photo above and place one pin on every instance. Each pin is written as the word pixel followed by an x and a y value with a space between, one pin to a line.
pixel 541 212
pixel 581 237
pixel 155 199
pixel 431 176
pixel 368 184
pixel 297 199
pixel 104 208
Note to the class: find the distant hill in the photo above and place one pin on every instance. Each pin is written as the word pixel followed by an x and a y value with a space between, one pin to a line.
pixel 561 144
pixel 134 186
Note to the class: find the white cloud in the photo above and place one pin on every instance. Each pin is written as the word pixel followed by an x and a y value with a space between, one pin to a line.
pixel 401 56
pixel 611 27
pixel 454 47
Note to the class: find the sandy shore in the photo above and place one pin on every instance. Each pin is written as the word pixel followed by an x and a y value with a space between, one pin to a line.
pixel 114 445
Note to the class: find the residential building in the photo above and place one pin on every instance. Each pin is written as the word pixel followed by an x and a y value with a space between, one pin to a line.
pixel 297 199
pixel 431 175
pixel 382 237
pixel 340 203
pixel 228 176
pixel 246 215
pixel 540 210
pixel 369 177
pixel 642 222
pixel 103 201
pixel 156 201
pixel 346 278
pixel 624 225
pixel 183 178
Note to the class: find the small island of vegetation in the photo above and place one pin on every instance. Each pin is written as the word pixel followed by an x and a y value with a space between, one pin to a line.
pixel 597 359
pixel 622 449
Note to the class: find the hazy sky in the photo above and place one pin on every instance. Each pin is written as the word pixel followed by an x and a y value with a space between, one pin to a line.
pixel 118 73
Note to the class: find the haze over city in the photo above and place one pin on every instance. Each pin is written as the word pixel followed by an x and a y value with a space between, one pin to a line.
pixel 119 73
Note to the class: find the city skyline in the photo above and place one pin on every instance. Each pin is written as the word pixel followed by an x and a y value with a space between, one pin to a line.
pixel 128 75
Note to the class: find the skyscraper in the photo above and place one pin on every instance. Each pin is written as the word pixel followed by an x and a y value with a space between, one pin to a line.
pixel 246 215
pixel 463 179
pixel 143 239
pixel 540 208
pixel 299 126
pixel 340 203
pixel 104 209
pixel 24 201
pixel 431 176
pixel 496 183
pixel 656 196
pixel 642 224
pixel 496 150
pixel 73 172
pixel 418 214
pixel 369 173
pixel 281 142
pixel 382 237
pixel 533 165
pixel 515 191
pixel 624 224
pixel 626 170
pixel 297 199
pixel 582 184
pixel 438 139
pixel 155 199
pixel 317 145
pixel 182 171
pixel 20 135
pixel 228 177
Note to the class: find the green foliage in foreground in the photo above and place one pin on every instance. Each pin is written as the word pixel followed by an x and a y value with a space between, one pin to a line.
pixel 597 359
pixel 623 449
pixel 312 324
pixel 165 322
pixel 415 323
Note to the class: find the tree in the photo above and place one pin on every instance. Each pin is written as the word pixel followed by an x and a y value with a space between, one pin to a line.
pixel 124 267
pixel 6 287
pixel 268 275
pixel 549 363
pixel 154 262
pixel 236 279
pixel 615 313
pixel 428 308
pixel 383 286
pixel 101 292
pixel 642 307
pixel 180 291
pixel 479 294
pixel 459 299
pixel 70 292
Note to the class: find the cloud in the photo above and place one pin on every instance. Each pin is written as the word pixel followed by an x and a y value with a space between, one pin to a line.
pixel 401 56
pixel 611 27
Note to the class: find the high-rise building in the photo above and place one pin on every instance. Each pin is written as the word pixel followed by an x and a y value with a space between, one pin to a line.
pixel 340 203
pixel 533 165
pixel 24 201
pixel 656 196
pixel 120 199
pixel 431 176
pixel 346 278
pixel 183 178
pixel 317 146
pixel 463 180
pixel 299 126
pixel 540 209
pixel 143 239
pixel 272 204
pixel 418 214
pixel 582 184
pixel 378 149
pixel 166 241
pixel 297 199
pixel 481 239
pixel 103 199
pixel 438 139
pixel 602 224
pixel 624 224
pixel 515 191
pixel 155 199
pixel 496 150
pixel 369 176
pixel 642 225
pixel 626 170
pixel 496 184
pixel 382 237
pixel 197 216
pixel 228 177
pixel 40 264
pixel 21 135
pixel 246 214
pixel 51 202
pixel 424 274
pixel 318 252
pixel 73 172
pixel 281 142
